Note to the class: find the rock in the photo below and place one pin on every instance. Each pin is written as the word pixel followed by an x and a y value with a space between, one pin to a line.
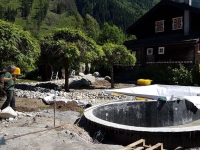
pixel 85 82
pixel 90 78
pixel 78 98
pixel 96 74
pixel 11 119
pixel 72 74
pixel 45 90
pixel 8 112
pixel 81 74
pixel 107 78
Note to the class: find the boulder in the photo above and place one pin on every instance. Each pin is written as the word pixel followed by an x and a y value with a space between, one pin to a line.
pixel 81 74
pixel 107 78
pixel 85 82
pixel 7 113
pixel 96 74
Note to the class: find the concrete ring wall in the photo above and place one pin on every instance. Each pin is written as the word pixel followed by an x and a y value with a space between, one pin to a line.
pixel 102 117
pixel 148 113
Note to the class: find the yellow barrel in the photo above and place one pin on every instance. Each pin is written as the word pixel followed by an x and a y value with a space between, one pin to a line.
pixel 144 82
pixel 17 71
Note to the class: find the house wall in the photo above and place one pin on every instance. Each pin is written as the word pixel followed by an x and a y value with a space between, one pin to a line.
pixel 186 51
pixel 139 56
pixel 180 53
pixel 195 22
pixel 166 13
pixel 197 53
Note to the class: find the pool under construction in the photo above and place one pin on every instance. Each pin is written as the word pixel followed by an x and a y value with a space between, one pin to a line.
pixel 174 123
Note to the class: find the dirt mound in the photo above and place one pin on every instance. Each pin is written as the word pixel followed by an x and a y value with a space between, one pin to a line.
pixel 62 106
pixel 30 105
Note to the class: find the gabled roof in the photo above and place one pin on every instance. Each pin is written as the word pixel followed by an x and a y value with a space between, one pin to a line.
pixel 182 6
pixel 163 41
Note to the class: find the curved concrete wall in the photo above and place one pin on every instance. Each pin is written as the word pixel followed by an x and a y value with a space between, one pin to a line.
pixel 148 113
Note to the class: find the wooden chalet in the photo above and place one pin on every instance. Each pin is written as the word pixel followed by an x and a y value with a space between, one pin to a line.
pixel 168 33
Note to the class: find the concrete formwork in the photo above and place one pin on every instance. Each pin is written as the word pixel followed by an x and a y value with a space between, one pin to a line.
pixel 173 123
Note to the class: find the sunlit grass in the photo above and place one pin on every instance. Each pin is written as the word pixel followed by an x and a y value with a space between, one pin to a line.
pixel 43 107
pixel 81 112
pixel 25 80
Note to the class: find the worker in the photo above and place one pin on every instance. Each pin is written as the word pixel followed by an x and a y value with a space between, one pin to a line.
pixel 9 83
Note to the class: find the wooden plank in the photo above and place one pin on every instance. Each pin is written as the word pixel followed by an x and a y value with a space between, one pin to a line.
pixel 146 146
pixel 178 148
pixel 139 148
pixel 158 146
pixel 139 142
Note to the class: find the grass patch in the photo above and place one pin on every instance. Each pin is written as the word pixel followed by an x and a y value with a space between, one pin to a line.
pixel 25 80
pixel 81 112
pixel 43 107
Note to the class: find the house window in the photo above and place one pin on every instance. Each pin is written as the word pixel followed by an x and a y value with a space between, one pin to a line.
pixel 159 26
pixel 161 50
pixel 149 51
pixel 177 23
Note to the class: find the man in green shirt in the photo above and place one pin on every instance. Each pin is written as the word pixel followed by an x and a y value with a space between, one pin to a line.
pixel 9 88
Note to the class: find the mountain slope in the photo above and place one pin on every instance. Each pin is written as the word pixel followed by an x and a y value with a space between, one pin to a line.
pixel 119 12
pixel 42 16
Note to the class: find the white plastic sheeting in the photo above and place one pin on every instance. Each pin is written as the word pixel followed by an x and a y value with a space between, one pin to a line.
pixel 168 92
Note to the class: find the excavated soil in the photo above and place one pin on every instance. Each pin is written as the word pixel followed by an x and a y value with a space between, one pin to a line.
pixel 30 105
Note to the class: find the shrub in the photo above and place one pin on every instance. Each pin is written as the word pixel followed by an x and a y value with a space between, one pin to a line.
pixel 32 75
pixel 159 73
pixel 170 74
pixel 181 76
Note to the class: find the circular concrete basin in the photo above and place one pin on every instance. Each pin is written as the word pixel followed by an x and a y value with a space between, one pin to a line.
pixel 155 121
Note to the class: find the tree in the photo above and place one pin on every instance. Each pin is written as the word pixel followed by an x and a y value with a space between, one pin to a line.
pixel 10 14
pixel 17 47
pixel 41 12
pixel 26 6
pixel 69 47
pixel 111 34
pixel 91 27
pixel 116 54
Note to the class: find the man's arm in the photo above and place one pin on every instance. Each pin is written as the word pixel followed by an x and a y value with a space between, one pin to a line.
pixel 8 79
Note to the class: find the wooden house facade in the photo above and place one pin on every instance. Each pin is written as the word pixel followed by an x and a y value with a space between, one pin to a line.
pixel 168 33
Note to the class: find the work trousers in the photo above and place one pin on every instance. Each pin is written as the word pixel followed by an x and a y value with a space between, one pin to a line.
pixel 10 100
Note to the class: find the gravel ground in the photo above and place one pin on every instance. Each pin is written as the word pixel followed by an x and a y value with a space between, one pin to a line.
pixel 24 133
pixel 36 129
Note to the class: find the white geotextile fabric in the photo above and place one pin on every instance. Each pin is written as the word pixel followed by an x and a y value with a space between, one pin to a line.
pixel 170 92
pixel 51 98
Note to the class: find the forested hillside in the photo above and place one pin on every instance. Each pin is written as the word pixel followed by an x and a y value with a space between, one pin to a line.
pixel 119 12
pixel 41 16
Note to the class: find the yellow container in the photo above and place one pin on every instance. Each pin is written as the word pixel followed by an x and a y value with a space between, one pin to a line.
pixel 144 82
pixel 142 98
pixel 17 71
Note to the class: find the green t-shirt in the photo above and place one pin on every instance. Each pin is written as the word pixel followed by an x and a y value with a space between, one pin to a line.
pixel 10 84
